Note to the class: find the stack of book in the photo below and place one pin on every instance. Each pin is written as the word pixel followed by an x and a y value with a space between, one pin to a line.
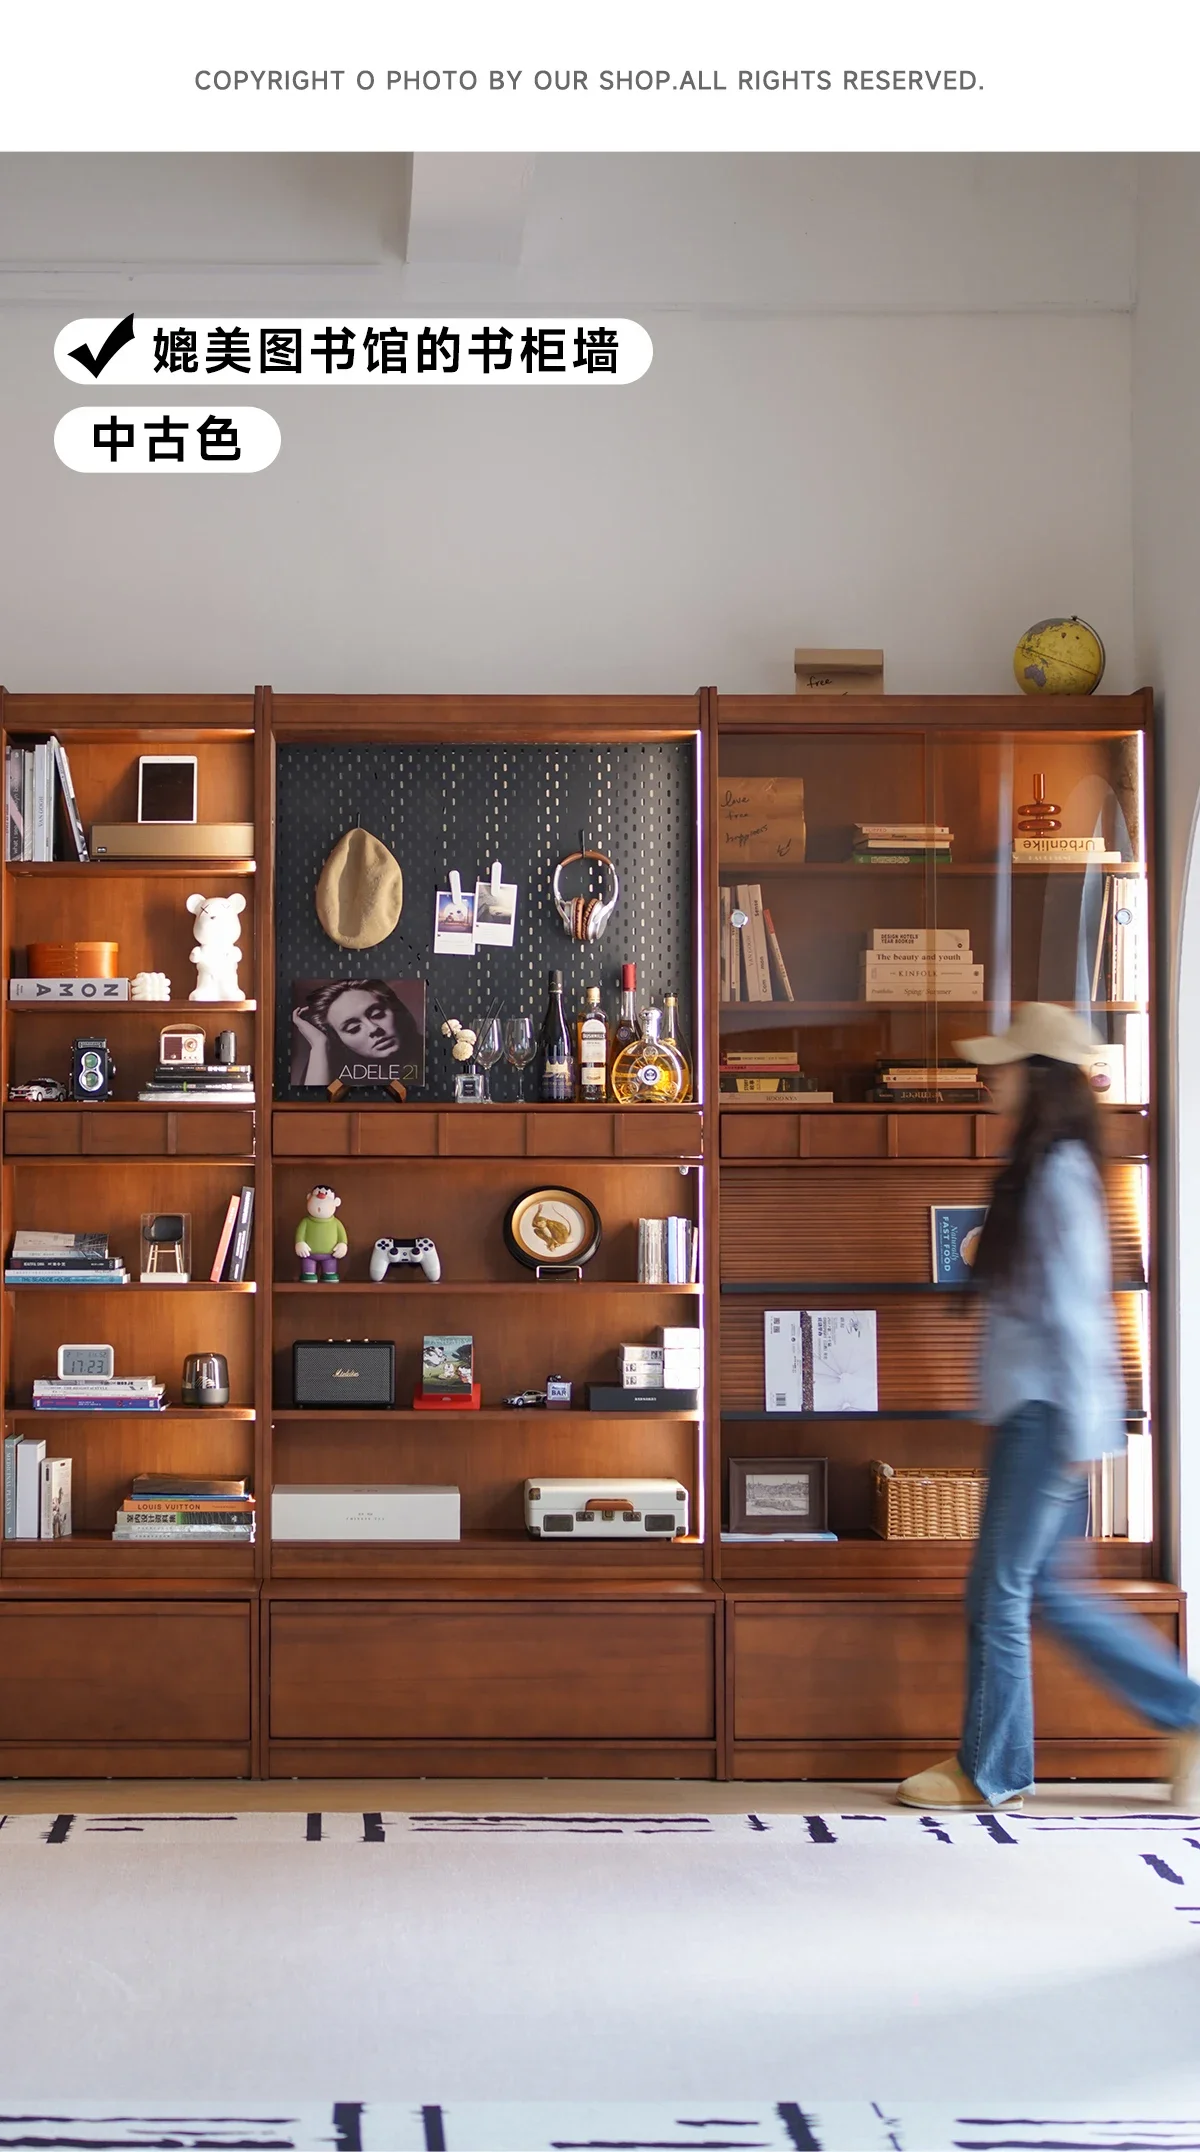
pixel 901 1082
pixel 98 1393
pixel 29 796
pixel 220 1083
pixel 668 1251
pixel 774 1074
pixel 37 1490
pixel 750 954
pixel 63 1259
pixel 901 844
pixel 920 964
pixel 167 1505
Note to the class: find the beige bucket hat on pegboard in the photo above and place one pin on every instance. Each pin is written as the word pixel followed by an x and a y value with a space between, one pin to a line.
pixel 360 894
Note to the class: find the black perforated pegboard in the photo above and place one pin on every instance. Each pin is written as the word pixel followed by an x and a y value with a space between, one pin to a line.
pixel 462 807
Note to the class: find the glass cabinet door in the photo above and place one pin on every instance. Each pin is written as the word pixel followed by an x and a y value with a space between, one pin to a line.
pixel 884 896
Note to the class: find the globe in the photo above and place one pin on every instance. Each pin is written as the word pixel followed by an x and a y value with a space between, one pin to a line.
pixel 1059 657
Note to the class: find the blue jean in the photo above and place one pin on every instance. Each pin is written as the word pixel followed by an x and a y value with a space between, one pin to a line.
pixel 1033 1519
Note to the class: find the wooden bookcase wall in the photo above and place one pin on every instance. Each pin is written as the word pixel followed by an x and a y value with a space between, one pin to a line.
pixel 498 1654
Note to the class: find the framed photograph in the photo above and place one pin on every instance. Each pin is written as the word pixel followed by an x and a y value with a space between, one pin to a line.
pixel 358 1031
pixel 454 923
pixel 552 1228
pixel 777 1494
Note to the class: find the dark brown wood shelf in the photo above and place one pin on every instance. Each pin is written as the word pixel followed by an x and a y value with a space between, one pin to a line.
pixel 501 1415
pixel 170 1414
pixel 135 1285
pixel 449 1287
pixel 179 869
pixel 197 1010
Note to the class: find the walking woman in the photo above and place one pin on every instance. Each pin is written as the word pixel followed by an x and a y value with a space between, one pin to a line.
pixel 1052 1391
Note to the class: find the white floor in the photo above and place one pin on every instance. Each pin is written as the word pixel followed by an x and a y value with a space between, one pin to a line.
pixel 858 1979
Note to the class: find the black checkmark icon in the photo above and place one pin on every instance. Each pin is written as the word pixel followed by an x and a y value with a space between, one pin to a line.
pixel 115 341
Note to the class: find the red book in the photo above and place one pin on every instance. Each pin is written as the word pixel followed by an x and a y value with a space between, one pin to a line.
pixel 428 1401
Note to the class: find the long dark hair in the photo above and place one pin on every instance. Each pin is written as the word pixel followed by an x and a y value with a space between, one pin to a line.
pixel 1060 1107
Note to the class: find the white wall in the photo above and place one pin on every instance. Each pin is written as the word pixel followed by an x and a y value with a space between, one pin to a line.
pixel 882 473
pixel 1167 580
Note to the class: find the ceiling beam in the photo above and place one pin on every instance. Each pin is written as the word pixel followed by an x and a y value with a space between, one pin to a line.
pixel 468 208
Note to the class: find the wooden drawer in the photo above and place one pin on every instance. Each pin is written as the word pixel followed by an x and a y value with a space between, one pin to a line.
pixel 107 1132
pixel 137 1672
pixel 557 1671
pixel 893 1671
pixel 323 1133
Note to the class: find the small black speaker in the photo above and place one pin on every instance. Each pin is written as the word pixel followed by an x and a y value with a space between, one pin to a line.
pixel 344 1372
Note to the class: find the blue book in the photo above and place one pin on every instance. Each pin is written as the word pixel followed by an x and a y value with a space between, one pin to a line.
pixel 955 1229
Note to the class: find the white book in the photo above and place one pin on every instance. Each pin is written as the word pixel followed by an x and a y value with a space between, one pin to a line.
pixel 27 851
pixel 1139 1475
pixel 12 1444
pixel 1091 850
pixel 66 790
pixel 30 1452
pixel 41 832
pixel 889 830
pixel 56 1498
pixel 896 963
pixel 14 802
pixel 820 1360
pixel 916 941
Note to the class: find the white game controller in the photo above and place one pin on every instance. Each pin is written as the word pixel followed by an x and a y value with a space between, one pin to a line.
pixel 387 1252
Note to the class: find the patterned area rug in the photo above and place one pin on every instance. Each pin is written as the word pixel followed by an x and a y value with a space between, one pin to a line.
pixel 600 1983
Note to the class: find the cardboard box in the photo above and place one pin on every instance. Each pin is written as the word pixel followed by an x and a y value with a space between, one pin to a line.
pixel 760 823
pixel 839 672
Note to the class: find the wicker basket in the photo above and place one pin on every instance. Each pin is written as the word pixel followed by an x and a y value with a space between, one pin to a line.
pixel 915 1502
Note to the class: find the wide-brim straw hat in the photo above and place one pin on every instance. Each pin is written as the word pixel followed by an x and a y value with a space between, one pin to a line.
pixel 1041 1028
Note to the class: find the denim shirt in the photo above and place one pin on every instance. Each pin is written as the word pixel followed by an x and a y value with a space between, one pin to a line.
pixel 1049 1332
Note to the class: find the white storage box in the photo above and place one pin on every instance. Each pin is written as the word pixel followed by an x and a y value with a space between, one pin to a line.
pixel 365 1513
pixel 606 1508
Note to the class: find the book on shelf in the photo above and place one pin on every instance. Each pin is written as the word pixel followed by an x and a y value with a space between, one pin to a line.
pixel 754 942
pixel 185 1483
pixel 10 1485
pixel 30 1451
pixel 39 789
pixel 911 942
pixel 240 1250
pixel 908 855
pixel 83 990
pixel 1059 846
pixel 902 832
pixel 954 1230
pixel 776 956
pixel 140 1529
pixel 89 1385
pixel 773 1057
pixel 213 1506
pixel 55 1520
pixel 67 1274
pixel 910 1075
pixel 26 1242
pixel 929 1095
pixel 224 1238
pixel 668 1251
pixel 820 1360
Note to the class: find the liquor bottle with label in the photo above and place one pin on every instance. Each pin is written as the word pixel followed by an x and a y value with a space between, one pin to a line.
pixel 555 1060
pixel 672 1037
pixel 625 1030
pixel 591 1039
pixel 650 1072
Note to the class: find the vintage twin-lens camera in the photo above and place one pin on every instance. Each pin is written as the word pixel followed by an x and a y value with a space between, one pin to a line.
pixel 93 1070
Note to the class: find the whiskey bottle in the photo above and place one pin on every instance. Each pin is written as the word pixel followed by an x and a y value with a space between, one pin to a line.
pixel 591 1038
pixel 555 1061
pixel 672 1037
pixel 625 1031
pixel 649 1072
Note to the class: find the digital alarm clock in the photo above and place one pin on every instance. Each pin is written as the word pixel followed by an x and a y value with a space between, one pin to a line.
pixel 86 1360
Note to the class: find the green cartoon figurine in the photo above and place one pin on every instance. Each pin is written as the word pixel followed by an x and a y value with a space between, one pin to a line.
pixel 320 1241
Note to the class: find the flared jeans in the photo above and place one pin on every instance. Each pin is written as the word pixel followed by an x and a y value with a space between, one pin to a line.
pixel 1027 1561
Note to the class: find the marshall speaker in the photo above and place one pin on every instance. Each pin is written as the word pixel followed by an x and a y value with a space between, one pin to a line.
pixel 341 1372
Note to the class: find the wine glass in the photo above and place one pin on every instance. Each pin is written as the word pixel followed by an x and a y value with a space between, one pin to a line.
pixel 519 1048
pixel 488 1048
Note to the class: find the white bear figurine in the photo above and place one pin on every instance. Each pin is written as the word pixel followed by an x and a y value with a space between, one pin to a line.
pixel 216 955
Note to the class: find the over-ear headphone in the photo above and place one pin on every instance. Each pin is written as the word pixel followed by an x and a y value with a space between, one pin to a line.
pixel 585 918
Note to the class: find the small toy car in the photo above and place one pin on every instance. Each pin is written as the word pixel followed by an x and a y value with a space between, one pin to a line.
pixel 525 1398
pixel 38 1089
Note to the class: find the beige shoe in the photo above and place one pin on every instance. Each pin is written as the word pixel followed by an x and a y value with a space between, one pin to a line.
pixel 947 1786
pixel 1185 1770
